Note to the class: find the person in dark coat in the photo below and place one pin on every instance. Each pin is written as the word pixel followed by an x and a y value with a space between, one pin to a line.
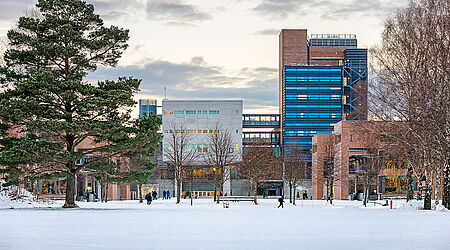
pixel 305 195
pixel 168 194
pixel 281 201
pixel 154 195
pixel 148 197
pixel 164 194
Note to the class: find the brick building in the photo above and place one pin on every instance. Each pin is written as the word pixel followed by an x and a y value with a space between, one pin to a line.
pixel 352 147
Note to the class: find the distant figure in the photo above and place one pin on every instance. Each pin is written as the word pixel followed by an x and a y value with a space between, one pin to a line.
pixel 281 201
pixel 168 194
pixel 87 195
pixel 154 195
pixel 305 195
pixel 148 197
pixel 164 194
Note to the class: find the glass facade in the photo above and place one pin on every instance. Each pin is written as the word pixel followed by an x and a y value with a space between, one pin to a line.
pixel 355 73
pixel 147 106
pixel 312 102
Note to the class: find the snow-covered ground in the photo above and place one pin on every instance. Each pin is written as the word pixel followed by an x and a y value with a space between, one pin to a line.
pixel 165 225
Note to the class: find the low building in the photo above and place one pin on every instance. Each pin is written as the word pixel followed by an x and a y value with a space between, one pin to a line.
pixel 357 149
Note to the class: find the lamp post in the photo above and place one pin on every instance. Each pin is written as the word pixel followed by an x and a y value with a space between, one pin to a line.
pixel 215 184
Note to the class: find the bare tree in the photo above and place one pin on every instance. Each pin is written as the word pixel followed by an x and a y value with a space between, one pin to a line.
pixel 179 152
pixel 221 154
pixel 412 85
pixel 259 163
pixel 296 168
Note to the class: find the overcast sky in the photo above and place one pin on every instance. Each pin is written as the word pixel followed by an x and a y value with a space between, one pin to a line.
pixel 216 49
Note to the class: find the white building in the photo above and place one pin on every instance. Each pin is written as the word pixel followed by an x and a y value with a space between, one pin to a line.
pixel 200 118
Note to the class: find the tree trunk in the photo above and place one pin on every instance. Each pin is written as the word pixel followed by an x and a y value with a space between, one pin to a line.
pixel 446 186
pixel 218 193
pixel 106 192
pixel 255 193
pixel 102 196
pixel 427 199
pixel 140 193
pixel 215 187
pixel 331 190
pixel 179 191
pixel 290 192
pixel 70 191
pixel 366 180
pixel 410 183
pixel 294 193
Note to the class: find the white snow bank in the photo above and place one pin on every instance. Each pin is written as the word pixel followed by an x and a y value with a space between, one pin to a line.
pixel 15 197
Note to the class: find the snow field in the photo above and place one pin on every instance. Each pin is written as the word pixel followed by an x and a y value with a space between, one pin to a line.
pixel 206 225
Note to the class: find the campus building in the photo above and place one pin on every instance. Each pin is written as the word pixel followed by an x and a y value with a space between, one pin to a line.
pixel 147 106
pixel 356 148
pixel 199 119
pixel 322 80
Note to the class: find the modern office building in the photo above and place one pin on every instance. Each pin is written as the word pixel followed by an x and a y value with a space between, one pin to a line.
pixel 147 106
pixel 200 118
pixel 322 80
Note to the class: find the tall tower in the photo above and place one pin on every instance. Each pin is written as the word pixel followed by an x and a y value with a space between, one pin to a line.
pixel 322 80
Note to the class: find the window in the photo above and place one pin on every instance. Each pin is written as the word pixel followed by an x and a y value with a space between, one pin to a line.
pixel 199 112
pixel 205 112
pixel 237 131
pixel 351 138
pixel 166 131
pixel 214 112
pixel 171 112
pixel 205 149
pixel 166 112
pixel 383 138
pixel 179 112
pixel 211 131
pixel 237 112
pixel 199 131
pixel 205 131
pixel 190 112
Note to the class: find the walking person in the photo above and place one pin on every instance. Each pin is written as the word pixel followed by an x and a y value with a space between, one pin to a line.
pixel 168 194
pixel 148 197
pixel 164 194
pixel 281 201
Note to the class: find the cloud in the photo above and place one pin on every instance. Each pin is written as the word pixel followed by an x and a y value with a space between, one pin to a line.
pixel 258 87
pixel 115 9
pixel 279 8
pixel 269 32
pixel 175 11
pixel 328 9
pixel 356 7
pixel 12 10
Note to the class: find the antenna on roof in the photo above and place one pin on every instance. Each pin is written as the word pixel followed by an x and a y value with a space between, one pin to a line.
pixel 165 93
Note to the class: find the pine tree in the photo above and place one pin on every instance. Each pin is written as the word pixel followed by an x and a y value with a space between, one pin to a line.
pixel 47 96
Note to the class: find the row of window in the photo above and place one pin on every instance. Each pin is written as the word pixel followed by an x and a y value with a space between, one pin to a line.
pixel 201 148
pixel 312 115
pixel 192 112
pixel 313 106
pixel 308 124
pixel 312 69
pixel 194 131
pixel 313 88
pixel 309 78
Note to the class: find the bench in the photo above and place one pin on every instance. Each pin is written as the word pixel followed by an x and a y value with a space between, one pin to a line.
pixel 226 199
